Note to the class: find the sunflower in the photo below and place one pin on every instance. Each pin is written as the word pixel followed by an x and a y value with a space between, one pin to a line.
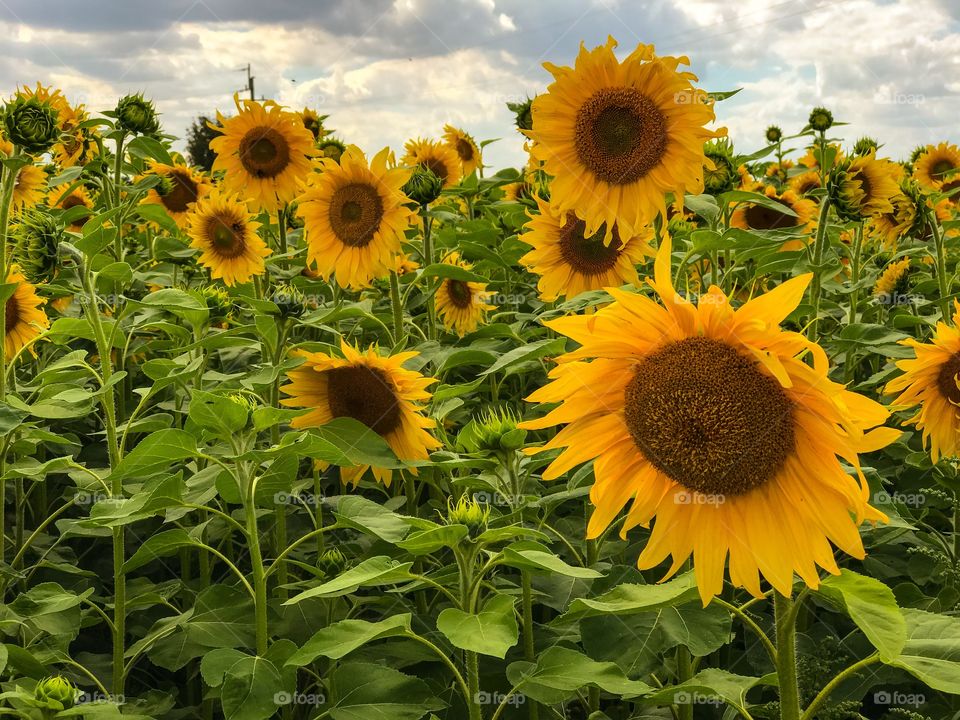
pixel 264 152
pixel 221 227
pixel 750 216
pixel 930 380
pixel 374 390
pixel 179 189
pixel 313 122
pixel 894 281
pixel 404 264
pixel 465 147
pixel 805 182
pixel 461 304
pixel 442 159
pixel 936 164
pixel 77 145
pixel 25 320
pixel 618 136
pixel 30 187
pixel 355 216
pixel 905 219
pixel 71 197
pixel 709 420
pixel 570 262
pixel 811 159
pixel 862 187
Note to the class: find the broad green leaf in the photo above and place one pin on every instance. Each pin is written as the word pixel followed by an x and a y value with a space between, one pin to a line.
pixel 217 414
pixel 428 541
pixel 372 572
pixel 371 518
pixel 492 631
pixel 707 687
pixel 559 673
pixel 345 442
pixel 342 638
pixel 524 353
pixel 932 650
pixel 533 556
pixel 156 452
pixel 368 691
pixel 872 606
pixel 251 687
pixel 628 598
pixel 163 544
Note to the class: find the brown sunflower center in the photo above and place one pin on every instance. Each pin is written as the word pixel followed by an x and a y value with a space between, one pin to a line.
pixel 588 255
pixel 864 184
pixel 364 394
pixel 460 293
pixel 183 192
pixel 11 313
pixel 707 417
pixel 356 211
pixel 620 135
pixel 71 202
pixel 941 167
pixel 947 379
pixel 464 149
pixel 759 217
pixel 264 152
pixel 227 237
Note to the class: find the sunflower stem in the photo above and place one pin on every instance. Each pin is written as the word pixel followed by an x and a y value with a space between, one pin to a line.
pixel 819 248
pixel 529 650
pixel 855 294
pixel 427 261
pixel 397 304
pixel 941 265
pixel 117 173
pixel 787 657
pixel 6 200
pixel 258 573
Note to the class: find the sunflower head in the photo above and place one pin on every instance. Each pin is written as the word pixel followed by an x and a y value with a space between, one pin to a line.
pixel 719 171
pixel 222 228
pixel 289 300
pixel 461 304
pixel 331 148
pixel 314 123
pixel 424 186
pixel 865 145
pixel 522 116
pixel 470 512
pixel 137 115
pixel 331 563
pixel 906 218
pixel 177 190
pixel 862 187
pixel 937 165
pixel 893 283
pixel 466 148
pixel 56 693
pixel 773 134
pixel 821 119
pixel 31 124
pixel 36 245
pixel 439 157
pixel 25 318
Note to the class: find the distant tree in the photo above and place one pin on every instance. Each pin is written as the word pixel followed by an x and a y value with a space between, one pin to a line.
pixel 198 143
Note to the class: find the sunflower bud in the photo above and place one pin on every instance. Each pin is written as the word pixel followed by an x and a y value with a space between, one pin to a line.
pixel 31 124
pixel 56 693
pixel 424 186
pixel 522 111
pixel 495 431
pixel 289 300
pixel 219 303
pixel 469 512
pixel 245 401
pixel 36 244
pixel 331 148
pixel 774 134
pixel 136 114
pixel 723 176
pixel 331 563
pixel 864 146
pixel 821 119
pixel 164 185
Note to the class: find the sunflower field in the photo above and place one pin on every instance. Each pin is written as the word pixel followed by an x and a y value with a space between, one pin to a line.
pixel 651 428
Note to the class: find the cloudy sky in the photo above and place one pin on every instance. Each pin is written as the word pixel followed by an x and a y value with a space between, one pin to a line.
pixel 387 70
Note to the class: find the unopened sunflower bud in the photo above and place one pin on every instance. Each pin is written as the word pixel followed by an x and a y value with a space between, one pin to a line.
pixel 31 125
pixel 424 186
pixel 56 693
pixel 821 119
pixel 723 175
pixel 219 303
pixel 331 563
pixel 864 146
pixel 497 431
pixel 331 148
pixel 774 134
pixel 244 400
pixel 523 117
pixel 164 186
pixel 36 245
pixel 468 511
pixel 289 300
pixel 136 114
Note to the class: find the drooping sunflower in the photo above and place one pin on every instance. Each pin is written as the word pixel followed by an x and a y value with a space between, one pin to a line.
pixel 709 420
pixel 570 262
pixel 466 148
pixel 618 136
pixel 264 152
pixel 355 216
pixel 437 156
pixel 25 318
pixel 179 189
pixel 30 187
pixel 71 197
pixel 461 304
pixel 864 186
pixel 894 281
pixel 905 219
pixel 937 164
pixel 374 390
pixel 222 228
pixel 931 379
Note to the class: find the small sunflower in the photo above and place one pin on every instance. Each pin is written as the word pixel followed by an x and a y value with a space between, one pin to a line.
pixel 77 145
pixel 466 148
pixel 894 281
pixel 180 188
pixel 374 390
pixel 618 136
pixel 313 122
pixel 30 187
pixel 570 262
pixel 404 264
pixel 355 216
pixel 264 152
pixel 221 227
pixel 71 197
pixel 25 319
pixel 461 304
pixel 439 157
pixel 930 380
pixel 710 420
pixel 863 187
pixel 936 164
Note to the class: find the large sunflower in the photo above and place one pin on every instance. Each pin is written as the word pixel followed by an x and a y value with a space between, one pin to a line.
pixel 709 420
pixel 442 159
pixel 355 216
pixel 618 136
pixel 264 152
pixel 570 262
pixel 377 391
pixel 930 380
pixel 465 146
pixel 221 227
pixel 461 304
pixel 936 164
pixel 30 187
pixel 179 189
pixel 24 317
pixel 864 186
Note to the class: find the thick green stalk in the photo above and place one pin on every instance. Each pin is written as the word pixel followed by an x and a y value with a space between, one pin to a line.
pixel 428 260
pixel 941 266
pixel 465 562
pixel 258 573
pixel 6 199
pixel 529 651
pixel 117 174
pixel 819 248
pixel 787 657
pixel 397 305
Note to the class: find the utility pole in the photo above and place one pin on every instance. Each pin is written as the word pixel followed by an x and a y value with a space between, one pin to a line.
pixel 250 79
